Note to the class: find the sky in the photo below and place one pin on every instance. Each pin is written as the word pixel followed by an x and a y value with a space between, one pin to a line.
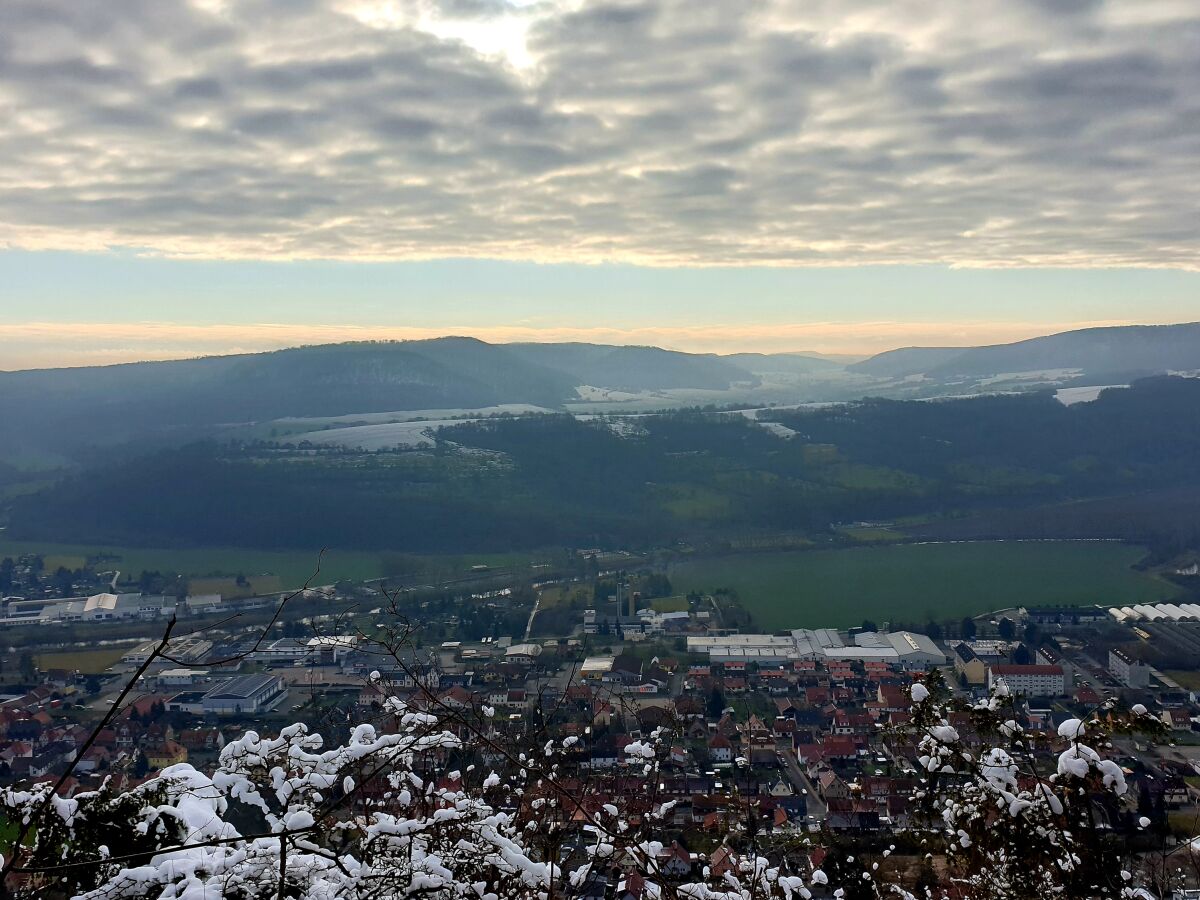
pixel 842 176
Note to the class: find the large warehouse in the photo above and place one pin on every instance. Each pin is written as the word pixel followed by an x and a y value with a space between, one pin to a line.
pixel 244 694
pixel 903 648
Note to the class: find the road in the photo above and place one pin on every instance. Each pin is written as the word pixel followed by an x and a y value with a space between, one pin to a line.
pixel 1093 674
pixel 529 625
pixel 816 807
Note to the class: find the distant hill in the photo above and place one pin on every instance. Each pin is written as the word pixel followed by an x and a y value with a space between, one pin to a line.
pixel 906 361
pixel 111 404
pixel 1129 348
pixel 56 416
pixel 512 483
pixel 635 368
pixel 64 411
pixel 791 363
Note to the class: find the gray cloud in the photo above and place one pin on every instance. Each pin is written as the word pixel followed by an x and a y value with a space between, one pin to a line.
pixel 1046 132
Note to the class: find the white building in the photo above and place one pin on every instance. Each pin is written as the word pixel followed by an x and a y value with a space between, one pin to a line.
pixel 179 677
pixel 281 652
pixel 1032 681
pixel 328 649
pixel 594 668
pixel 96 608
pixel 522 653
pixel 107 607
pixel 203 603
pixel 1127 670
pixel 903 648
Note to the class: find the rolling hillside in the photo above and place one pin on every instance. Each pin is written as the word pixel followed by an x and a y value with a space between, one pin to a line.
pixel 71 409
pixel 635 368
pixel 1128 350
pixel 63 416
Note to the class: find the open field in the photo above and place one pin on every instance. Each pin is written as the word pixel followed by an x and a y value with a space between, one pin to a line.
pixel 227 585
pixel 916 582
pixel 55 561
pixel 292 567
pixel 1186 678
pixel 871 534
pixel 89 662
pixel 551 597
pixel 669 604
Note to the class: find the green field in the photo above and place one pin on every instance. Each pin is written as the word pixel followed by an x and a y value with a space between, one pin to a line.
pixel 54 561
pixel 293 567
pixel 1189 679
pixel 916 582
pixel 87 661
pixel 227 585
pixel 871 534
pixel 669 604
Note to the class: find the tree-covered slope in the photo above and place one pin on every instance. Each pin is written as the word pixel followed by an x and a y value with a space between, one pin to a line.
pixel 647 481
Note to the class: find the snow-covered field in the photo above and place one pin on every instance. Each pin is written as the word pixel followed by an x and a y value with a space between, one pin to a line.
pixel 410 429
pixel 409 415
pixel 604 395
pixel 375 437
pixel 1042 375
pixel 777 429
pixel 1083 394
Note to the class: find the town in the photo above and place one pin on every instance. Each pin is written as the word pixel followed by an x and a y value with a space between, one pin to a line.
pixel 802 730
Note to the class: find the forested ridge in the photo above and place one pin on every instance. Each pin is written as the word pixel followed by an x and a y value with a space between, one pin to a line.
pixel 521 482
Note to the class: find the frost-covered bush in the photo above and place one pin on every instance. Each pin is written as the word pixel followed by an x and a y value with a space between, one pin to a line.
pixel 1020 816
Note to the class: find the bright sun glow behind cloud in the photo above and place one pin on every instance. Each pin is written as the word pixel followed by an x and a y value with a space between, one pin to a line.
pixel 500 35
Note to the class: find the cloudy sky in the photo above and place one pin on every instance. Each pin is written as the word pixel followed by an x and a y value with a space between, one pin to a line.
pixel 841 175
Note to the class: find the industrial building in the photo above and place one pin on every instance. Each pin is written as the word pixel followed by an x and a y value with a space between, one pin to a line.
pixel 903 648
pixel 330 649
pixel 96 608
pixel 1155 612
pixel 106 607
pixel 245 694
pixel 186 650
pixel 179 678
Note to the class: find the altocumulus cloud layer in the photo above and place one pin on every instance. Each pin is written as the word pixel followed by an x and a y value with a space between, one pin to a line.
pixel 994 132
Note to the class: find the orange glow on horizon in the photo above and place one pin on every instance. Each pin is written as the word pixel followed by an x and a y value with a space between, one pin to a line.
pixel 56 344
